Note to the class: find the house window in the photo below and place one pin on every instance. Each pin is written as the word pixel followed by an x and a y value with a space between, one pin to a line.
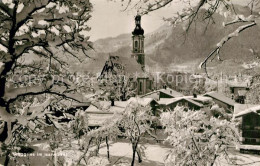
pixel 250 140
pixel 232 90
pixel 150 85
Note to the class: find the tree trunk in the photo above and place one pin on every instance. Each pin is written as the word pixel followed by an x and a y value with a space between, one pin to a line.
pixel 4 134
pixel 7 158
pixel 133 158
pixel 139 155
pixel 215 156
pixel 85 152
pixel 98 145
pixel 107 147
pixel 7 68
pixel 134 146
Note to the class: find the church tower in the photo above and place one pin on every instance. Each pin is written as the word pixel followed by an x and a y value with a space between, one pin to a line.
pixel 138 42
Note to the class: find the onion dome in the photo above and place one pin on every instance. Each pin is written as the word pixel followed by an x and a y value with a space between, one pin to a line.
pixel 138 29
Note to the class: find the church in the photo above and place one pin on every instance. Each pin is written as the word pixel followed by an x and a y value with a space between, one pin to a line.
pixel 132 66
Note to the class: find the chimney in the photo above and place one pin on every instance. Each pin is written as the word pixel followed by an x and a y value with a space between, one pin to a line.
pixel 112 102
pixel 194 95
pixel 165 87
pixel 158 94
pixel 170 92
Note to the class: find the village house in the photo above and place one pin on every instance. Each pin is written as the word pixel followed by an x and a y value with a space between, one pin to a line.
pixel 222 101
pixel 166 104
pixel 249 116
pixel 238 91
pixel 191 102
pixel 162 93
pixel 102 111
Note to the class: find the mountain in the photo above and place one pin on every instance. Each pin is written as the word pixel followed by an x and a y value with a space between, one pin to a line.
pixel 170 48
pixel 112 44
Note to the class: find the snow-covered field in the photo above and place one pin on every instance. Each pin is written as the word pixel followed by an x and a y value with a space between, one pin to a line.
pixel 122 151
pixel 155 153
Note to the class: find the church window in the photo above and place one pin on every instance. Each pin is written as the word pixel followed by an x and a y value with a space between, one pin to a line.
pixel 136 44
pixel 140 86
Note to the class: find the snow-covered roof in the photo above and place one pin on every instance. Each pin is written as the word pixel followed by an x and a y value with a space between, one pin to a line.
pixel 194 102
pixel 221 97
pixel 250 109
pixel 199 98
pixel 98 119
pixel 102 111
pixel 123 65
pixel 99 112
pixel 197 76
pixel 249 147
pixel 177 99
pixel 142 101
pixel 241 107
pixel 238 85
pixel 105 106
pixel 202 99
pixel 171 92
pixel 153 94
pixel 167 101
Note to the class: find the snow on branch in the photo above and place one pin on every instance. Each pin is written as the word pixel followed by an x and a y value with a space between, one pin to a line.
pixel 12 93
pixel 1 66
pixel 241 18
pixel 215 52
pixel 23 119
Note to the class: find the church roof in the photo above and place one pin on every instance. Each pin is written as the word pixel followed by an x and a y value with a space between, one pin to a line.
pixel 138 29
pixel 122 65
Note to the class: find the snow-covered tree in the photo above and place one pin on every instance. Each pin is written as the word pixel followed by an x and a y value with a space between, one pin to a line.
pixel 196 138
pixel 115 82
pixel 116 87
pixel 136 121
pixel 253 95
pixel 38 41
pixel 80 124
pixel 108 131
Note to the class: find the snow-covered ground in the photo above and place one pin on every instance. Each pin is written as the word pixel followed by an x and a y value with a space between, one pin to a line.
pixel 153 152
pixel 157 153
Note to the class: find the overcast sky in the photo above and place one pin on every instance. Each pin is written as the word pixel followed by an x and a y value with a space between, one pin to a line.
pixel 108 19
